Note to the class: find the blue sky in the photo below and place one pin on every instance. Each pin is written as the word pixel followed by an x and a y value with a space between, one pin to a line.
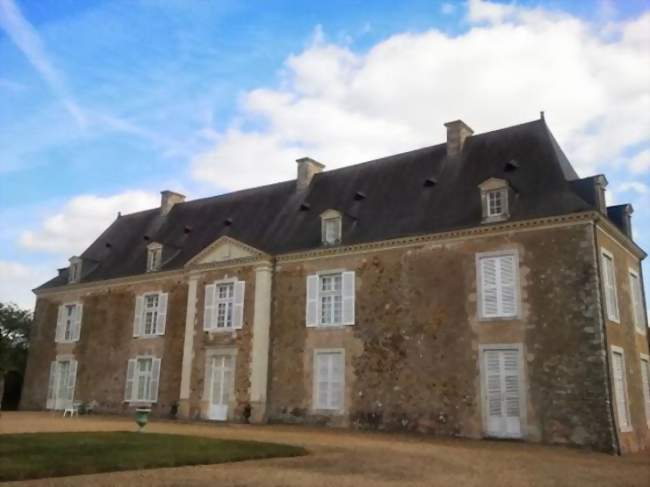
pixel 104 104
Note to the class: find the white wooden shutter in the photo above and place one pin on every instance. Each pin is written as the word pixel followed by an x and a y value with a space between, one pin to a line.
pixel 645 383
pixel 238 314
pixel 209 308
pixel 130 377
pixel 72 380
pixel 155 379
pixel 489 287
pixel 336 380
pixel 507 285
pixel 493 391
pixel 161 318
pixel 322 380
pixel 637 302
pixel 207 385
pixel 510 359
pixel 51 386
pixel 348 292
pixel 311 313
pixel 618 368
pixel 60 328
pixel 609 279
pixel 137 320
pixel 77 321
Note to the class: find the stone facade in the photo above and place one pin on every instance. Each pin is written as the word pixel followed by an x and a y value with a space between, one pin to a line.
pixel 413 358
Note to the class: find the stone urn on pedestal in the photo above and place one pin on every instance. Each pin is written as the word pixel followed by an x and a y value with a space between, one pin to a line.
pixel 142 417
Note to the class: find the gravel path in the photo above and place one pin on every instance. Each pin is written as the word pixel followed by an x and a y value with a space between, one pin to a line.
pixel 342 458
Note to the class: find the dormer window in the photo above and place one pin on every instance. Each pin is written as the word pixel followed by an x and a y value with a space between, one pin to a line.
pixel 74 273
pixel 331 227
pixel 495 194
pixel 154 256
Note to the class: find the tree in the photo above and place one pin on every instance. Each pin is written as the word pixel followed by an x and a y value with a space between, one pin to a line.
pixel 15 324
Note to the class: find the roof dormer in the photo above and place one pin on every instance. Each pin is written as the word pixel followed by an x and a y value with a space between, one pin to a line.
pixel 331 227
pixel 74 271
pixel 154 256
pixel 495 200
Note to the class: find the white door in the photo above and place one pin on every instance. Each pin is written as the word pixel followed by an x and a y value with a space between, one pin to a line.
pixel 221 371
pixel 502 392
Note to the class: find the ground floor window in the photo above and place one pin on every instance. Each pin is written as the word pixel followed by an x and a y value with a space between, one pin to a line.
pixel 329 380
pixel 142 377
pixel 61 386
pixel 620 389
pixel 645 383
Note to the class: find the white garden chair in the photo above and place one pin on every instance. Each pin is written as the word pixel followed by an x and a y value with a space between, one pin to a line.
pixel 72 409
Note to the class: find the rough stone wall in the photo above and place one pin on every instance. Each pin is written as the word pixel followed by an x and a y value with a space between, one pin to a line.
pixel 106 343
pixel 240 340
pixel 412 358
pixel 625 336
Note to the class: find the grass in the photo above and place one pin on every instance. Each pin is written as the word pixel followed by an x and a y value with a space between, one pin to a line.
pixel 38 455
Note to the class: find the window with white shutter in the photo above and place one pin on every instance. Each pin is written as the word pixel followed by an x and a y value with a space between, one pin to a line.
pixel 609 284
pixel 150 315
pixel 620 389
pixel 645 384
pixel 331 299
pixel 51 388
pixel 637 302
pixel 142 379
pixel 329 380
pixel 498 283
pixel 224 305
pixel 68 323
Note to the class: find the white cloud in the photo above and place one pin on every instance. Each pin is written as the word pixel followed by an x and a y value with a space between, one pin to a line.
pixel 341 107
pixel 17 280
pixel 81 220
pixel 633 186
pixel 447 8
pixel 23 34
pixel 640 162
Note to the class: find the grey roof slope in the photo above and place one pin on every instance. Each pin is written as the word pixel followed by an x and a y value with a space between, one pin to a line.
pixel 397 203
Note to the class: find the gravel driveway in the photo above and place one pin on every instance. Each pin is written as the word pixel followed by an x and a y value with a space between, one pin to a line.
pixel 341 458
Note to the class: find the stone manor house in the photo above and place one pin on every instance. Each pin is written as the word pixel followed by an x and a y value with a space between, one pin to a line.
pixel 474 288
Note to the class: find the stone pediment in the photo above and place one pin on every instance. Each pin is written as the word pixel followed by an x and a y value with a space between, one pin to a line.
pixel 224 249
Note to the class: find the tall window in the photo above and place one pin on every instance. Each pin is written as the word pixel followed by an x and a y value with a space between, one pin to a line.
pixel 645 383
pixel 331 224
pixel 74 271
pixel 150 313
pixel 609 283
pixel 637 302
pixel 329 380
pixel 620 389
pixel 331 297
pixel 225 304
pixel 142 378
pixel 498 285
pixel 154 257
pixel 68 325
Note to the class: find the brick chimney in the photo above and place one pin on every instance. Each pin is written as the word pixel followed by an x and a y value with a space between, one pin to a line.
pixel 307 168
pixel 168 199
pixel 457 132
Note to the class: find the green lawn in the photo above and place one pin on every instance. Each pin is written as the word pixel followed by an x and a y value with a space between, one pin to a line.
pixel 37 455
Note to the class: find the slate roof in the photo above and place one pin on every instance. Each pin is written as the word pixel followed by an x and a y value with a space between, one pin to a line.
pixel 397 203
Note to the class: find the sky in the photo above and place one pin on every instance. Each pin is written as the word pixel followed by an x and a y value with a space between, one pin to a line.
pixel 103 104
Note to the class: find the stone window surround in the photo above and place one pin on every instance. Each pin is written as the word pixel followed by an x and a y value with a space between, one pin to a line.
pixel 613 349
pixel 226 329
pixel 77 309
pixel 314 405
pixel 334 326
pixel 638 309
pixel 498 253
pixel 211 352
pixel 74 271
pixel 644 361
pixel 604 253
pixel 492 185
pixel 154 256
pixel 144 402
pixel 331 216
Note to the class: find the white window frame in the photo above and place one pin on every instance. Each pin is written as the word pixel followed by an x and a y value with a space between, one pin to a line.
pixel 152 380
pixel 154 257
pixel 158 313
pixel 638 310
pixel 479 286
pixel 236 308
pixel 628 427
pixel 503 195
pixel 152 311
pixel 348 302
pixel 612 314
pixel 335 218
pixel 74 271
pixel 645 362
pixel 62 322
pixel 315 394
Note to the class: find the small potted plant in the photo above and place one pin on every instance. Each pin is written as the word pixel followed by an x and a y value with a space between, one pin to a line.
pixel 142 417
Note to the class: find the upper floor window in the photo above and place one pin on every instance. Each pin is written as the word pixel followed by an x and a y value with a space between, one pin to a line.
pixel 609 285
pixel 68 324
pixel 74 272
pixel 224 305
pixel 494 200
pixel 498 285
pixel 637 302
pixel 154 257
pixel 330 299
pixel 142 378
pixel 331 227
pixel 150 314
